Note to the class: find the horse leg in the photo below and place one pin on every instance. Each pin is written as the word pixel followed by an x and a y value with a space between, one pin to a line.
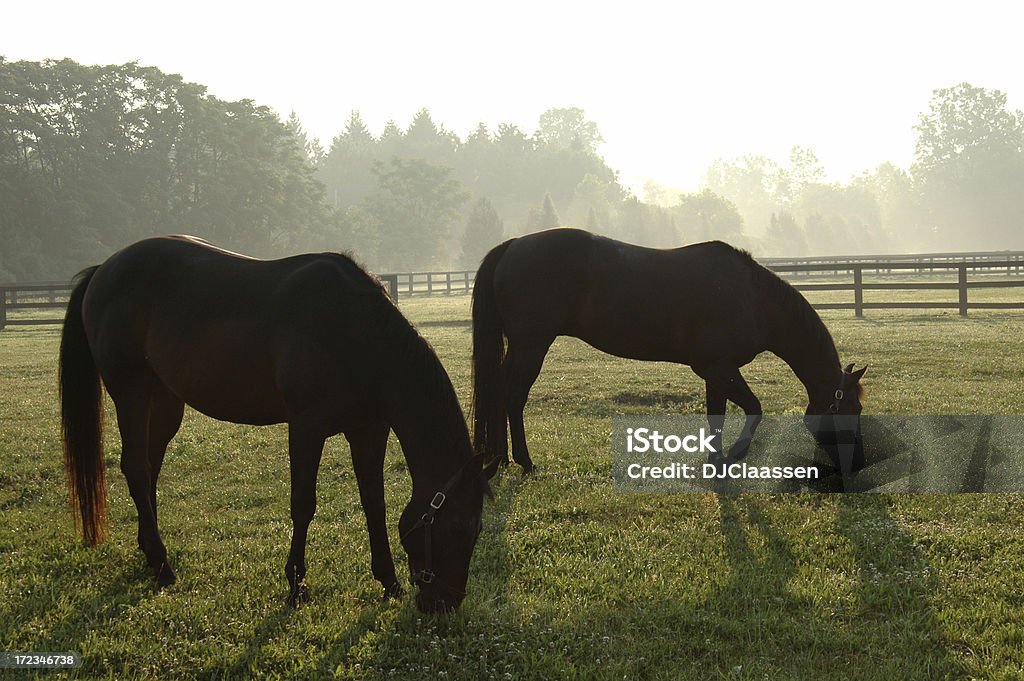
pixel 368 447
pixel 715 399
pixel 522 366
pixel 165 413
pixel 133 418
pixel 305 446
pixel 725 381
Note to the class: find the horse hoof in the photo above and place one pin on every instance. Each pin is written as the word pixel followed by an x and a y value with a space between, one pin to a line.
pixel 299 596
pixel 739 451
pixel 529 469
pixel 394 592
pixel 165 576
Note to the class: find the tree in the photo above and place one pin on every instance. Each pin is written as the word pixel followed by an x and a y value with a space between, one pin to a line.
pixel 548 215
pixel 899 205
pixel 412 211
pixel 804 169
pixel 591 198
pixel 965 125
pixel 545 217
pixel 424 139
pixel 784 236
pixel 749 183
pixel 969 162
pixel 840 219
pixel 310 147
pixel 568 129
pixel 706 215
pixel 346 170
pixel 95 157
pixel 484 229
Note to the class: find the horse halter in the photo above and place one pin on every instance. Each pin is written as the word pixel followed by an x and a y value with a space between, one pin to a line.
pixel 839 393
pixel 834 407
pixel 426 575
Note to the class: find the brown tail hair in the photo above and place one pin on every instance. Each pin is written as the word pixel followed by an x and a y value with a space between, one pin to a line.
pixel 81 407
pixel 489 410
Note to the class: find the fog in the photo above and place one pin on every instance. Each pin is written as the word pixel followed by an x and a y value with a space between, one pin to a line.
pixel 418 137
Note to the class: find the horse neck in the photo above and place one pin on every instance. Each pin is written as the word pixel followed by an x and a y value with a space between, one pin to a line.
pixel 799 337
pixel 428 421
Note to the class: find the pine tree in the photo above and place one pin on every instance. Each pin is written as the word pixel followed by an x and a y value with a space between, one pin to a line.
pixel 544 217
pixel 484 229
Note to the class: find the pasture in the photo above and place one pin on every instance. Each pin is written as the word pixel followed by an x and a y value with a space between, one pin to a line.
pixel 569 579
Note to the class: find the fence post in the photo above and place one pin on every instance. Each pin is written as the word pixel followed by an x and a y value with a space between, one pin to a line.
pixel 962 281
pixel 858 291
pixel 392 281
pixel 3 308
pixel 448 282
pixel 465 280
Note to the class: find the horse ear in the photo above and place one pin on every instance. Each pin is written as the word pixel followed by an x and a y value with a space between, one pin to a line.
pixel 484 472
pixel 848 369
pixel 475 464
pixel 475 469
pixel 856 375
pixel 489 468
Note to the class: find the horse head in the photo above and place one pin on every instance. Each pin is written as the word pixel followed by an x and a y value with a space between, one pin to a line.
pixel 439 530
pixel 833 418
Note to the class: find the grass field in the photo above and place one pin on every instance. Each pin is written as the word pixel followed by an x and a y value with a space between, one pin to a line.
pixel 569 579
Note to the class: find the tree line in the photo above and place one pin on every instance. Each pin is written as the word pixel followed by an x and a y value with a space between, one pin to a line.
pixel 95 157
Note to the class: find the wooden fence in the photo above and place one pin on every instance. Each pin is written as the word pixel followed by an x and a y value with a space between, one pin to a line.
pixel 973 271
pixel 15 298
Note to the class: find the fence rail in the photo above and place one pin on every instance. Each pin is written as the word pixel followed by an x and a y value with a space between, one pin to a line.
pixel 924 260
pixel 16 298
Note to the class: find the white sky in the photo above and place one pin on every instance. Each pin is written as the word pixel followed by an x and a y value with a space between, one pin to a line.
pixel 672 86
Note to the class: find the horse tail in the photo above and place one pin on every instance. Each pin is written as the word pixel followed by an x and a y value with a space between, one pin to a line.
pixel 489 410
pixel 81 407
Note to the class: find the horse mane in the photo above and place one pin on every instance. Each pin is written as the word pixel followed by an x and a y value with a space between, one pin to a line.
pixel 794 306
pixel 410 356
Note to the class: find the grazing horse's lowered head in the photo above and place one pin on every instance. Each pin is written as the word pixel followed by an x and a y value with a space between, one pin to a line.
pixel 439 530
pixel 833 418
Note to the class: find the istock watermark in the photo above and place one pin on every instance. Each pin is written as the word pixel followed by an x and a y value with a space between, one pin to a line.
pixel 644 439
pixel 822 454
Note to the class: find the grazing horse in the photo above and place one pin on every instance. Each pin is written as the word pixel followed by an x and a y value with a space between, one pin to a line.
pixel 708 305
pixel 312 341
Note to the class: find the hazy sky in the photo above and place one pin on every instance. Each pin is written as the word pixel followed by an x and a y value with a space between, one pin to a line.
pixel 672 86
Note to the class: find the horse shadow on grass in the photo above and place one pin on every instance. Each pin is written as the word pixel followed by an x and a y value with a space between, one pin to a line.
pixel 880 625
pixel 847 597
pixel 850 597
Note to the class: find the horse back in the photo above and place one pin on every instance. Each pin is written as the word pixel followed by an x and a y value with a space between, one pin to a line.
pixel 692 304
pixel 240 339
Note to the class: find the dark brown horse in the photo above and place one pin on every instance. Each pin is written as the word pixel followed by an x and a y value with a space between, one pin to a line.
pixel 708 305
pixel 311 340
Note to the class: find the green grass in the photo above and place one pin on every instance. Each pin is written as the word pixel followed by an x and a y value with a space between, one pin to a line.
pixel 570 579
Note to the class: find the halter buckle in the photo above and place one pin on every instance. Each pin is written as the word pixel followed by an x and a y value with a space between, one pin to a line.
pixel 426 576
pixel 437 501
pixel 839 394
